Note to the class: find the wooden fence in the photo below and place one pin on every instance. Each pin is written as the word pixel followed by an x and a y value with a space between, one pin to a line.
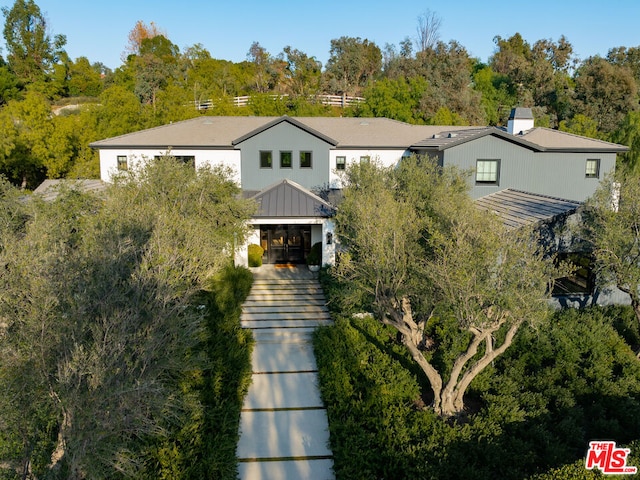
pixel 341 101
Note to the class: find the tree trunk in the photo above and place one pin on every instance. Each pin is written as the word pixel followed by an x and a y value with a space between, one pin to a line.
pixel 412 334
pixel 635 303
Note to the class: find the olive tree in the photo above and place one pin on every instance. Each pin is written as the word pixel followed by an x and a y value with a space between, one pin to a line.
pixel 612 227
pixel 99 327
pixel 415 242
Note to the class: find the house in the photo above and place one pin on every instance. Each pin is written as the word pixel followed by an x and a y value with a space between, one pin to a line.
pixel 285 164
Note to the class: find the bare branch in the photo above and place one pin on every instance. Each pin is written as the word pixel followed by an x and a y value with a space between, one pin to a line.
pixel 428 30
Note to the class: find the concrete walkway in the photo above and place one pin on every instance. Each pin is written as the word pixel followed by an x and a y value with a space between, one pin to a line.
pixel 284 434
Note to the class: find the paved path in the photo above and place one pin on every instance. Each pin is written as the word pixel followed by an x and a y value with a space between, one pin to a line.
pixel 283 425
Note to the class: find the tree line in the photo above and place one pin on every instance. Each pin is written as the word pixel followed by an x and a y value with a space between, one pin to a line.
pixel 422 80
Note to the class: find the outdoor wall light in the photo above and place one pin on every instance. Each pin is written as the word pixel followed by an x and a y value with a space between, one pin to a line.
pixel 329 238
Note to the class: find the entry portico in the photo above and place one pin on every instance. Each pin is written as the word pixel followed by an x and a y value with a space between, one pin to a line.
pixel 289 220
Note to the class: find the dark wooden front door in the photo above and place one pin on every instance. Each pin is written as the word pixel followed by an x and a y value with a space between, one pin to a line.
pixel 285 243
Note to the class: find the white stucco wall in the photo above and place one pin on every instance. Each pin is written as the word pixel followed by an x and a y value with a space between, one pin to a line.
pixel 386 158
pixel 225 158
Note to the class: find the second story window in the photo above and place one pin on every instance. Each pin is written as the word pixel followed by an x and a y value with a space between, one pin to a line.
pixel 341 163
pixel 266 159
pixel 285 160
pixel 593 168
pixel 487 172
pixel 305 159
pixel 365 159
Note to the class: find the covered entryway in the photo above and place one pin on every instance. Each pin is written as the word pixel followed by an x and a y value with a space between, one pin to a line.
pixel 285 243
pixel 289 220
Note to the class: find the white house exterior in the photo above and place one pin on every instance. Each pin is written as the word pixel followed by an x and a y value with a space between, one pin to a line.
pixel 285 160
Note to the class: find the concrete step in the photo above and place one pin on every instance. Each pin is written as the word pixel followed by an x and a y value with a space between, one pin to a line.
pixel 270 391
pixel 285 281
pixel 283 434
pixel 283 357
pixel 264 324
pixel 284 303
pixel 319 315
pixel 301 335
pixel 272 295
pixel 272 285
pixel 305 307
pixel 301 469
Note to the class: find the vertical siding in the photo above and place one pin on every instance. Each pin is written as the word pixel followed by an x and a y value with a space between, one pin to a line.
pixel 284 137
pixel 555 174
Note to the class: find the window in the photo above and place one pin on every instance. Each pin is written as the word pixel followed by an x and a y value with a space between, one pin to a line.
pixel 266 159
pixel 305 159
pixel 581 280
pixel 365 159
pixel 341 163
pixel 487 172
pixel 285 160
pixel 186 159
pixel 593 168
pixel 122 163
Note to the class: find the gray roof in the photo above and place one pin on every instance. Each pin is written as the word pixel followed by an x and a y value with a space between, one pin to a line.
pixel 288 199
pixel 519 209
pixel 226 132
pixel 538 139
pixel 521 113
pixel 210 132
pixel 50 189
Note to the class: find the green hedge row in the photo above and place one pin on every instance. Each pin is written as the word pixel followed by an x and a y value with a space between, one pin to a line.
pixel 572 380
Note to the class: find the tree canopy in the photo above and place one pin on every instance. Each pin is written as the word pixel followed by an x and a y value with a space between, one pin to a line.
pixel 424 255
pixel 612 229
pixel 423 80
pixel 99 332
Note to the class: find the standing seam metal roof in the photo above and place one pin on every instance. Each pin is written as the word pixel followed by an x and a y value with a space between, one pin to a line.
pixel 288 199
pixel 518 209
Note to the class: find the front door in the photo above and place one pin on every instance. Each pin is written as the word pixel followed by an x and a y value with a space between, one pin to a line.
pixel 285 243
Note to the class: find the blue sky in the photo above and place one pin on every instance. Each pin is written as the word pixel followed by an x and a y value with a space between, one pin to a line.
pixel 99 29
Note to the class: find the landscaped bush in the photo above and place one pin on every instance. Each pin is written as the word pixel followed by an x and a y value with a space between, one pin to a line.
pixel 314 257
pixel 255 255
pixel 205 447
pixel 570 381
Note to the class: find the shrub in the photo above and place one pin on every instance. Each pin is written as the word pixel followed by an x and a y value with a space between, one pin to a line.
pixel 571 380
pixel 255 255
pixel 315 254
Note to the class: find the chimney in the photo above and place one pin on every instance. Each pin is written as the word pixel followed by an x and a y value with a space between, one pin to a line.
pixel 520 120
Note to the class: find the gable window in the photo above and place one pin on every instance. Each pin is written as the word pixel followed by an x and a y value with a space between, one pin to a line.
pixel 122 163
pixel 341 163
pixel 305 159
pixel 266 159
pixel 365 159
pixel 487 172
pixel 593 168
pixel 285 160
